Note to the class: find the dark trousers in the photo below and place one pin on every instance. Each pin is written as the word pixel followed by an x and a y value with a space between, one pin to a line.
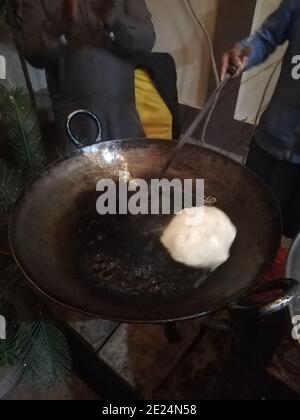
pixel 283 178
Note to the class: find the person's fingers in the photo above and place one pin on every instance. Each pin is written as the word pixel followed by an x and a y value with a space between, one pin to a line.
pixel 245 61
pixel 245 57
pixel 240 63
pixel 237 65
pixel 225 65
pixel 237 62
pixel 231 63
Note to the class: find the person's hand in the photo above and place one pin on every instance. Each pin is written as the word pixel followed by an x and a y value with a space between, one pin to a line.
pixel 235 61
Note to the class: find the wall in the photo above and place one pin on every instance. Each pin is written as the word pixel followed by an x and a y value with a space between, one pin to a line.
pixel 255 81
pixel 179 34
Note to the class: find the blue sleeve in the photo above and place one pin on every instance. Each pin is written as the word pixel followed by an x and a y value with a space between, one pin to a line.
pixel 274 32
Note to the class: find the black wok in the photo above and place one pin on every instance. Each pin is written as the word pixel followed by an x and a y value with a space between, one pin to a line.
pixel 114 267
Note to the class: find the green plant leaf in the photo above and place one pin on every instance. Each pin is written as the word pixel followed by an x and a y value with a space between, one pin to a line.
pixel 49 356
pixel 33 337
pixel 10 186
pixel 22 130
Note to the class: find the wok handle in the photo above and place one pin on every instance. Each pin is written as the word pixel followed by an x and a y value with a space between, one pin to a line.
pixel 89 114
pixel 269 298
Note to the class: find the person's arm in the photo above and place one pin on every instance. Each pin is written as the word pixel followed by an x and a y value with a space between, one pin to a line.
pixel 132 26
pixel 274 32
pixel 258 47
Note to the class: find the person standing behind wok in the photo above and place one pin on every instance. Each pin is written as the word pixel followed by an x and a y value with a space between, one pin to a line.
pixel 275 149
pixel 88 49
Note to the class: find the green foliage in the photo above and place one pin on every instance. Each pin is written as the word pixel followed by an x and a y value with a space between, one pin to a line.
pixel 33 338
pixel 53 364
pixel 10 186
pixel 23 131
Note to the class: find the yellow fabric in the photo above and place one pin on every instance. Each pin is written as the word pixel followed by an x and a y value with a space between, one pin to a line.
pixel 155 116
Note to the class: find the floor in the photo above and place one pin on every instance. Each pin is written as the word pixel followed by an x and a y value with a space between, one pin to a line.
pixel 205 364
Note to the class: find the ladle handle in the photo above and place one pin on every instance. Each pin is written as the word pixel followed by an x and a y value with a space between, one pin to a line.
pixel 72 137
pixel 269 298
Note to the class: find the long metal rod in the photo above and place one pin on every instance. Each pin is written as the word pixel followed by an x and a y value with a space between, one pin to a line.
pixel 205 109
pixel 202 114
